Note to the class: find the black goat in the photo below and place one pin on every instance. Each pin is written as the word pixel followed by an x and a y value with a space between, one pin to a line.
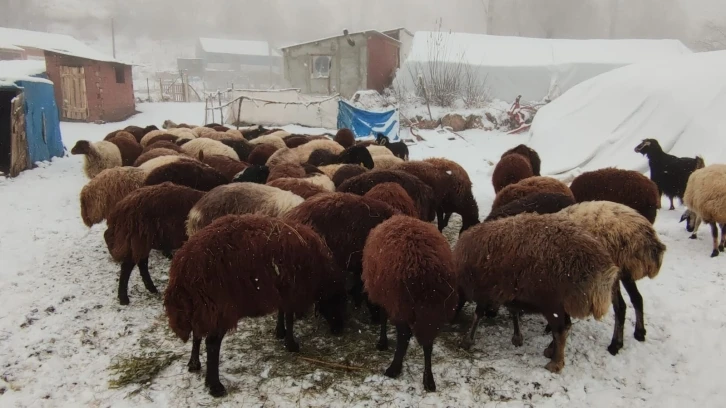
pixel 399 149
pixel 668 172
pixel 254 133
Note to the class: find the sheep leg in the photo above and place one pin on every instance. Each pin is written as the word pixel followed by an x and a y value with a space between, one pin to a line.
pixel 403 337
pixel 375 312
pixel 517 338
pixel 714 235
pixel 290 344
pixel 440 219
pixel 459 306
pixel 167 253
pixel 145 276
pixel 619 308
pixel 560 328
pixel 383 339
pixel 213 343
pixel 280 328
pixel 722 246
pixel 194 363
pixel 637 300
pixel 468 339
pixel 428 377
pixel 123 282
pixel 672 207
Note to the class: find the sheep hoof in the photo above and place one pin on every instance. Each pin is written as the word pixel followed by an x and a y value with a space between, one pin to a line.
pixel 518 341
pixel 393 372
pixel 429 383
pixel 693 236
pixel 217 390
pixel 714 253
pixel 639 334
pixel 614 348
pixel 382 345
pixel 721 248
pixel 292 346
pixel 194 366
pixel 152 289
pixel 549 351
pixel 280 333
pixel 555 366
pixel 123 300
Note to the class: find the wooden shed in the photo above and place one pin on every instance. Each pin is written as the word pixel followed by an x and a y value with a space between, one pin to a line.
pixel 343 64
pixel 89 86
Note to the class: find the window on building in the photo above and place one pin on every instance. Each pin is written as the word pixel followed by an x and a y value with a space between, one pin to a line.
pixel 320 67
pixel 120 74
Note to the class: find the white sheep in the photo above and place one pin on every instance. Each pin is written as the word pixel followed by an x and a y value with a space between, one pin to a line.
pixel 705 198
pixel 385 162
pixel 103 192
pixel 271 139
pixel 209 147
pixel 99 156
pixel 301 153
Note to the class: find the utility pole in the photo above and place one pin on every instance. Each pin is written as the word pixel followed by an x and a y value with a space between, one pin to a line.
pixel 113 38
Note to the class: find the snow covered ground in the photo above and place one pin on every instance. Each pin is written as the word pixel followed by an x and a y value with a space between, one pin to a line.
pixel 61 327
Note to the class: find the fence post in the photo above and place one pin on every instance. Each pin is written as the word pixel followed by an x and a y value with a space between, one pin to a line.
pixel 148 90
pixel 161 90
pixel 239 111
pixel 221 114
pixel 426 96
pixel 185 84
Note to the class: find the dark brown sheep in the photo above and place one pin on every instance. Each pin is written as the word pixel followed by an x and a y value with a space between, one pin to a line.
pixel 213 284
pixel 344 221
pixel 351 155
pixel 529 153
pixel 538 263
pixel 261 153
pixel 625 187
pixel 138 132
pixel 162 144
pixel 346 172
pixel 128 146
pixel 511 169
pixel 539 203
pixel 254 132
pixel 421 194
pixel 286 170
pixel 227 166
pixel 345 137
pixel 366 143
pixel 219 128
pixel 461 199
pixel 294 141
pixel 148 218
pixel 166 136
pixel 531 185
pixel 190 173
pixel 243 148
pixel 298 186
pixel 413 284
pixel 395 196
pixel 153 154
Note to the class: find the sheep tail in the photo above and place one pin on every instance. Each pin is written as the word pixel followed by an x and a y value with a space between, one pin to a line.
pixel 601 291
pixel 179 310
pixel 700 163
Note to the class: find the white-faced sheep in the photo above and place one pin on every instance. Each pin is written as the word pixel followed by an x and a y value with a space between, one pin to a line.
pixel 240 198
pixel 633 246
pixel 414 285
pixel 214 282
pixel 540 263
pixel 705 198
pixel 98 156
pixel 100 195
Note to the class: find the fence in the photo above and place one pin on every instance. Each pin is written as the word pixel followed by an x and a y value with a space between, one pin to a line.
pixel 169 90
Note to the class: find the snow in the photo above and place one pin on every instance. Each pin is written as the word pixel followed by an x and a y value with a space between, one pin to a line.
pixel 61 325
pixel 531 67
pixel 238 47
pixel 21 70
pixel 58 43
pixel 680 102
pixel 342 35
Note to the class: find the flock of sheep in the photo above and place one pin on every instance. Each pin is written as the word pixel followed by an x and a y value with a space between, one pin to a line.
pixel 265 221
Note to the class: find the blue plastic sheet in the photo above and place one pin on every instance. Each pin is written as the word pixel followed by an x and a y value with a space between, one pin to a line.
pixel 365 123
pixel 42 123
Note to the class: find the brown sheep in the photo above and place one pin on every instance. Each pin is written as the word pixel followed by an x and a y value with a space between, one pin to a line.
pixel 161 137
pixel 261 153
pixel 414 285
pixel 422 194
pixel 540 263
pixel 190 173
pixel 148 218
pixel 626 187
pixel 298 186
pixel 529 186
pixel 223 164
pixel 213 284
pixel 345 137
pixel 286 170
pixel 138 132
pixel 221 136
pixel 295 141
pixel 461 196
pixel 511 169
pixel 155 153
pixel 395 196
pixel 162 144
pixel 100 195
pixel 347 171
pixel 128 146
pixel 540 203
pixel 344 222
pixel 529 153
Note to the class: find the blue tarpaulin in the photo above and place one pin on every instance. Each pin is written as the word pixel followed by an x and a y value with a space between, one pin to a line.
pixel 42 124
pixel 365 123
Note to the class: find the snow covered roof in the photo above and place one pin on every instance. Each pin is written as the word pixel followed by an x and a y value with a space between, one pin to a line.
pixel 376 32
pixel 21 70
pixel 8 46
pixel 237 47
pixel 398 29
pixel 58 43
pixel 490 50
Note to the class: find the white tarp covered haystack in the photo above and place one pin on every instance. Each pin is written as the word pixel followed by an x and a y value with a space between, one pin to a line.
pixel 283 107
pixel 532 67
pixel 681 102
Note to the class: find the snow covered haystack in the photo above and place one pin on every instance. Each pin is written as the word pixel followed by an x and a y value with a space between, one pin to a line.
pixel 678 101
pixel 532 67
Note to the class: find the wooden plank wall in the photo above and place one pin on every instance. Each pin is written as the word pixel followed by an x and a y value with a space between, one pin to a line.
pixel 73 88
